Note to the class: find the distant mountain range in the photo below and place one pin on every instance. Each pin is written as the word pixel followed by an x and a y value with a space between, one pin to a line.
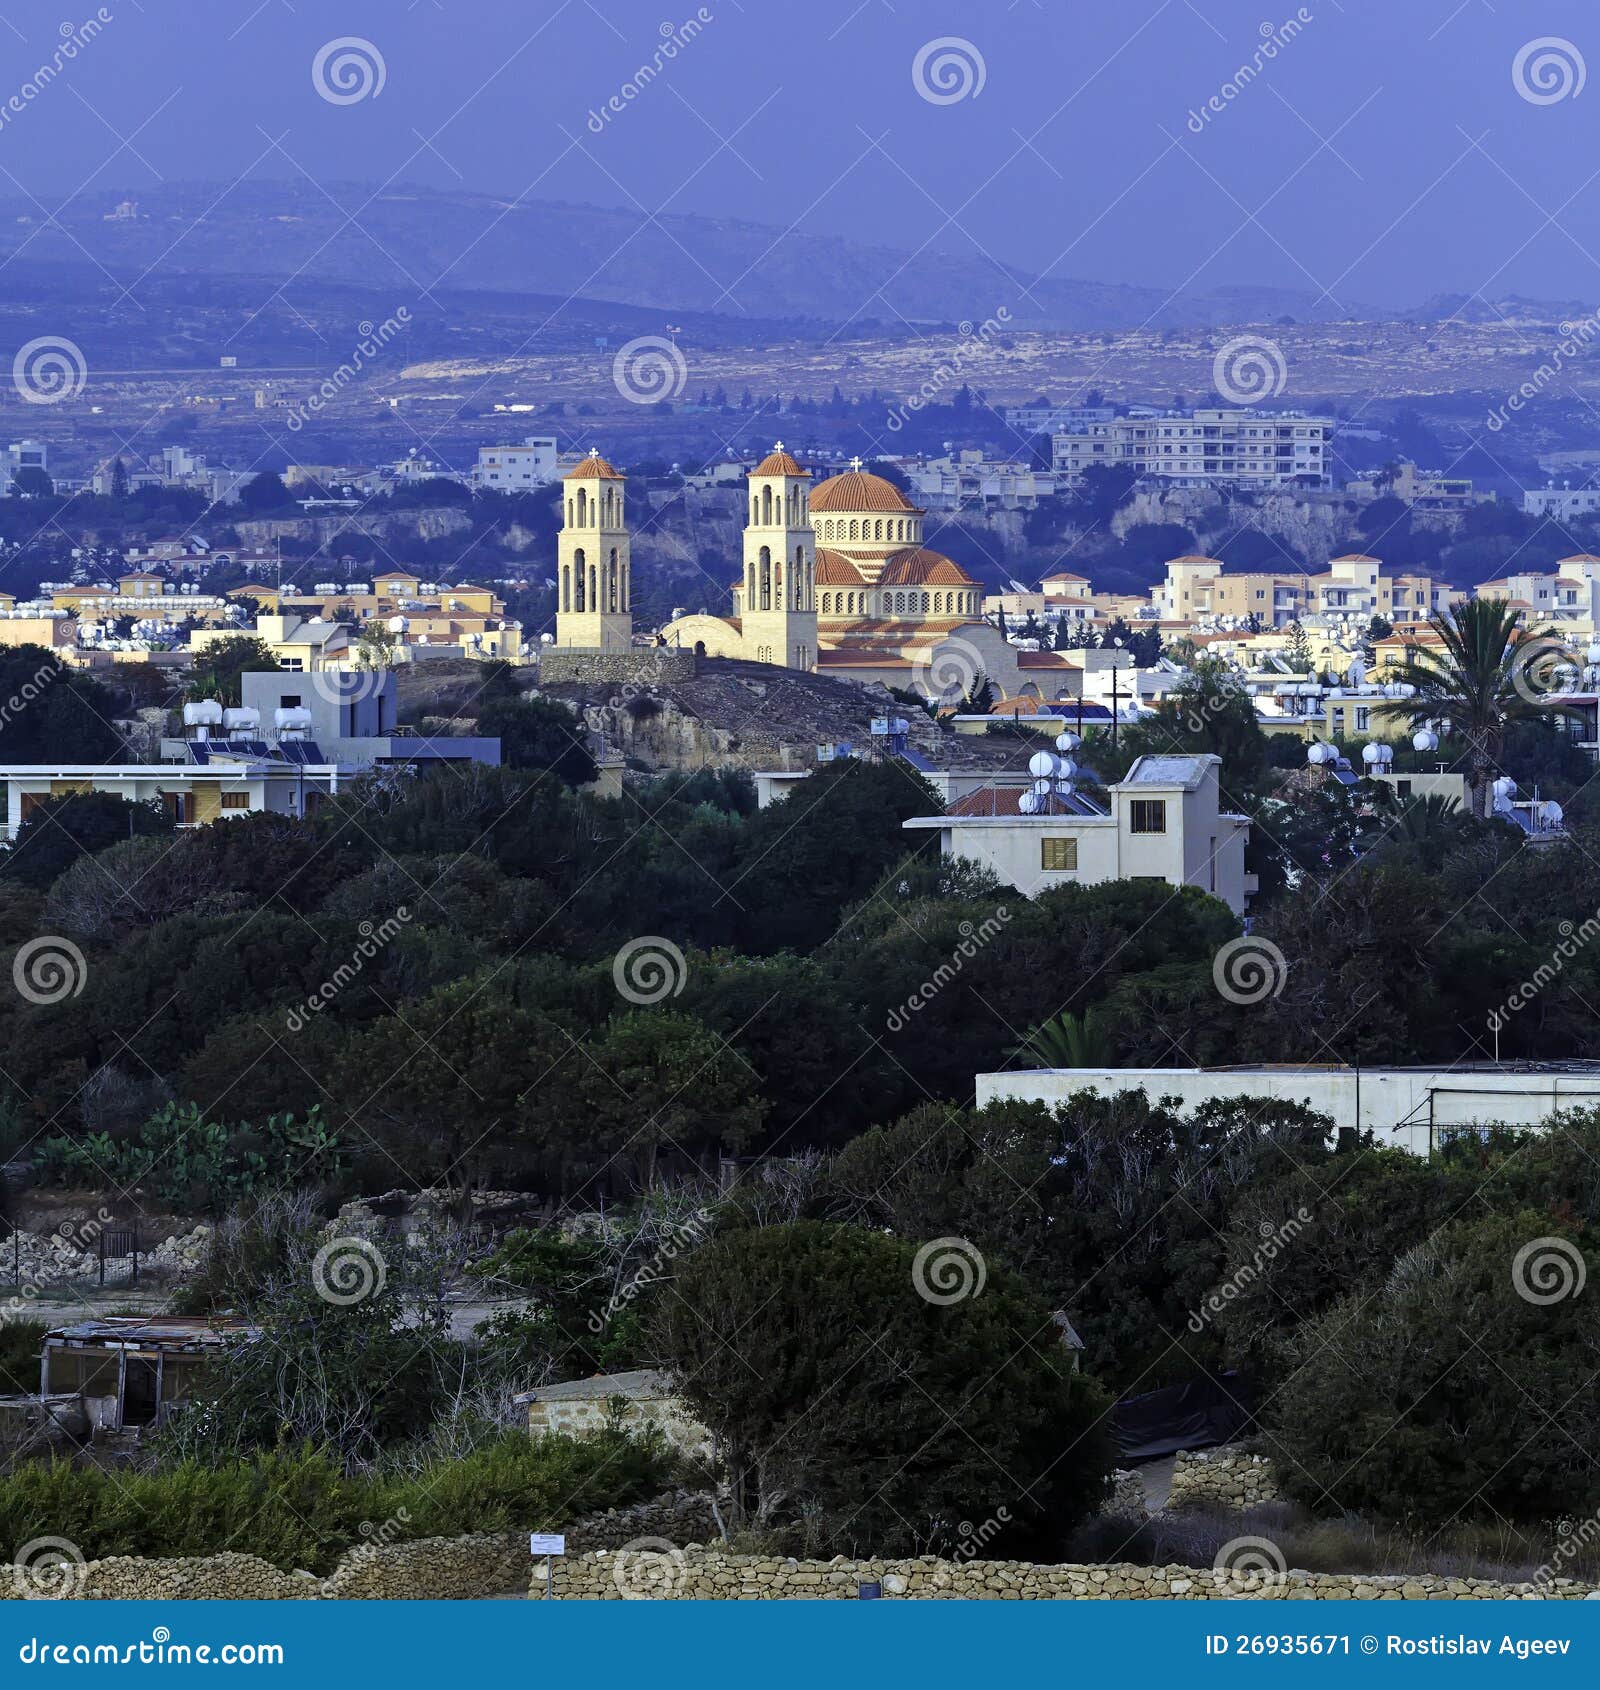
pixel 403 240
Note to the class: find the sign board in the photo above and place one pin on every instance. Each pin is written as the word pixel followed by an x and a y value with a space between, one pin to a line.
pixel 543 1543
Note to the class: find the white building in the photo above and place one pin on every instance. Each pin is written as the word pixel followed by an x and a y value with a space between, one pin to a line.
pixel 24 454
pixel 1413 1109
pixel 1166 822
pixel 1561 502
pixel 1204 447
pixel 516 469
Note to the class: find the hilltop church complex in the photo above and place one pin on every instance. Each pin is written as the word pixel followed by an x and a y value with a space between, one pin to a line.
pixel 835 580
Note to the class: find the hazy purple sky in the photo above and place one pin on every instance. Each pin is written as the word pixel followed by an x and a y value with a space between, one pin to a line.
pixel 1076 156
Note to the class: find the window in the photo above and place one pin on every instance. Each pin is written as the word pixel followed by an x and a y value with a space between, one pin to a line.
pixel 1058 856
pixel 1403 788
pixel 236 800
pixel 1147 815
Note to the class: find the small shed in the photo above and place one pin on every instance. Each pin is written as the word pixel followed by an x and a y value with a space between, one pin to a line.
pixel 644 1397
pixel 130 1370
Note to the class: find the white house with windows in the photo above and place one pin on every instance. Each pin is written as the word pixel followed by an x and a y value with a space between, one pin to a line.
pixel 1165 822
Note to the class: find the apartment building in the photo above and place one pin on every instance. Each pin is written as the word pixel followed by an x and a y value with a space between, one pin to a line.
pixel 516 469
pixel 1561 502
pixel 1204 447
pixel 1198 590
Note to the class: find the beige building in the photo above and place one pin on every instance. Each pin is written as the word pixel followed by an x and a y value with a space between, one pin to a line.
pixel 594 604
pixel 641 1400
pixel 1207 446
pixel 1166 822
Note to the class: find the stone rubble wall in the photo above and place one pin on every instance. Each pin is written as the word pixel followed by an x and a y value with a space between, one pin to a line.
pixel 657 666
pixel 41 1260
pixel 1227 1477
pixel 696 1574
pixel 1127 1495
pixel 435 1569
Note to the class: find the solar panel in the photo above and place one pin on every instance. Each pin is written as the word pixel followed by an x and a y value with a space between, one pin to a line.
pixel 198 753
pixel 301 751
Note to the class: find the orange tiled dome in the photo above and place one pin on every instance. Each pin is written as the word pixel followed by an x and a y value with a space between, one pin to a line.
pixel 836 571
pixel 857 491
pixel 593 468
pixel 779 462
pixel 922 568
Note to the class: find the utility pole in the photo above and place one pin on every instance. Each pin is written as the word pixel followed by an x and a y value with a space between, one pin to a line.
pixel 1115 696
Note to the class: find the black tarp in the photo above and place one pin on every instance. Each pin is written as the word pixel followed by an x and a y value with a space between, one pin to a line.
pixel 1192 1416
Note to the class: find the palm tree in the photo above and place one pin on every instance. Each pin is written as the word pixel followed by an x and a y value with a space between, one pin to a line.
pixel 1485 675
pixel 1069 1041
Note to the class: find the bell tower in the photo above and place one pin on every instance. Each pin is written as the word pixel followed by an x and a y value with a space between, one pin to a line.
pixel 594 588
pixel 778 601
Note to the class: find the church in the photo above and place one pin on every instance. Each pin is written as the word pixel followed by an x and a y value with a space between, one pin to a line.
pixel 835 580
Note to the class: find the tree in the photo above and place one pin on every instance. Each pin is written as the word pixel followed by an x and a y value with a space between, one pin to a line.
pixel 1069 1041
pixel 1483 678
pixel 264 493
pixel 53 714
pixel 119 480
pixel 31 482
pixel 1298 653
pixel 538 733
pixel 1424 1402
pixel 845 1400
pixel 218 666
pixel 61 830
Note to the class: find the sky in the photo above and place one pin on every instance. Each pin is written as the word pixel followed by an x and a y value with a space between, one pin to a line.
pixel 1385 150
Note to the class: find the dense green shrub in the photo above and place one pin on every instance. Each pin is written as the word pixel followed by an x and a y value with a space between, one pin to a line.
pixel 295 1508
pixel 1463 1388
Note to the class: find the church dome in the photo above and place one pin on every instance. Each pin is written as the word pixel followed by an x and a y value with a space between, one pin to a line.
pixel 592 468
pixel 857 491
pixel 779 462
pixel 922 568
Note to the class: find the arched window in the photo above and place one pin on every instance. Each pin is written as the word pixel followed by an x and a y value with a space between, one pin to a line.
pixel 766 578
pixel 580 601
pixel 754 511
pixel 570 522
pixel 855 530
pixel 613 583
pixel 766 506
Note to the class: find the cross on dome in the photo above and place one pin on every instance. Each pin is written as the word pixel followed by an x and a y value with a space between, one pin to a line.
pixel 777 445
pixel 594 451
pixel 855 464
